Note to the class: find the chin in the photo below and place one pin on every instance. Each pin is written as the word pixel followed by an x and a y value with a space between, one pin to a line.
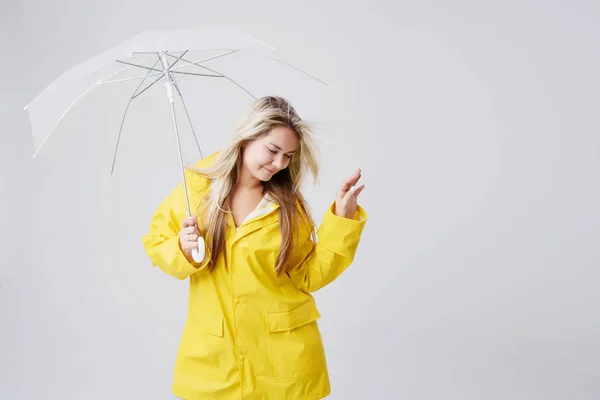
pixel 264 175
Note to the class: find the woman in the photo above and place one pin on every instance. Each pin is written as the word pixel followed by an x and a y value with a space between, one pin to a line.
pixel 251 331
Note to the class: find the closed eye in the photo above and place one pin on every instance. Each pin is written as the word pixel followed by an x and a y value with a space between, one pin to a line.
pixel 288 156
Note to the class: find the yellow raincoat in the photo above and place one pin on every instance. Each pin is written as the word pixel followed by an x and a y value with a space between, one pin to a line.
pixel 250 334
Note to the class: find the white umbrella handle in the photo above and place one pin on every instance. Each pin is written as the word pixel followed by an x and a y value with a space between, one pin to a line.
pixel 198 254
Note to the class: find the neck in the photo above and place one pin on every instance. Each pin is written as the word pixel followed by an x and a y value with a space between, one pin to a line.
pixel 246 181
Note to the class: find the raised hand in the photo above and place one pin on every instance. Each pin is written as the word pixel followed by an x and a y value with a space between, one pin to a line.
pixel 346 201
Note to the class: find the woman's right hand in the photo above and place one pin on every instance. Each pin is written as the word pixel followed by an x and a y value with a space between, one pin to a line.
pixel 188 236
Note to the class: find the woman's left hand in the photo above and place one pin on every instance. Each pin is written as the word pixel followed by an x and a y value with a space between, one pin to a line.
pixel 346 200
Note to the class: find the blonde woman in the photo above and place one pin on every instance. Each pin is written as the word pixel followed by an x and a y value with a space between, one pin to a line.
pixel 251 330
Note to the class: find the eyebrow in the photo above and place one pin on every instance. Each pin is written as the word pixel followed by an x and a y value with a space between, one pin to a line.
pixel 279 148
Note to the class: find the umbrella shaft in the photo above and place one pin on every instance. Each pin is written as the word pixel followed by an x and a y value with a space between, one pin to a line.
pixel 168 77
pixel 169 86
pixel 185 190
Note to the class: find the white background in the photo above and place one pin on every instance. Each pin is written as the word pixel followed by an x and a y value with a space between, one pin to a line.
pixel 476 126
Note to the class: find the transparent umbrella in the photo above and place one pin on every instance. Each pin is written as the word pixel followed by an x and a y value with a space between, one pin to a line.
pixel 186 62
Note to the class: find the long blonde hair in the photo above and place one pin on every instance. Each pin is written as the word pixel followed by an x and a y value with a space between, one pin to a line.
pixel 259 118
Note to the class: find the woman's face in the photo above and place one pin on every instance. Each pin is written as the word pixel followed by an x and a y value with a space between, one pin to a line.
pixel 269 154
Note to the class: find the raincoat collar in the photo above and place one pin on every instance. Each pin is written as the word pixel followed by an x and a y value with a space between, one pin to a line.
pixel 264 214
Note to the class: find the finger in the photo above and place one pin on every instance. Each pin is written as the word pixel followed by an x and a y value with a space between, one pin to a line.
pixel 192 237
pixel 188 229
pixel 357 191
pixel 186 239
pixel 189 221
pixel 187 246
pixel 355 181
pixel 347 197
pixel 352 190
pixel 352 180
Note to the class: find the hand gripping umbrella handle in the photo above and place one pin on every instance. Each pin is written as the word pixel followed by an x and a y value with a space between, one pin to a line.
pixel 198 254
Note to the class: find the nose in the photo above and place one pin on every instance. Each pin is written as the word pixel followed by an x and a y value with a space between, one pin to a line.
pixel 278 162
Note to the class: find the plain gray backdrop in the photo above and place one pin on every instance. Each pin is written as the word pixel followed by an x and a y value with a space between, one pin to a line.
pixel 476 126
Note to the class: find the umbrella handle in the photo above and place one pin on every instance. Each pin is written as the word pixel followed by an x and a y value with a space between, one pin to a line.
pixel 198 254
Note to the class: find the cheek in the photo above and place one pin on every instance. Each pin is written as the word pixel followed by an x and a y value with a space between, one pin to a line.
pixel 264 158
pixel 258 160
pixel 253 157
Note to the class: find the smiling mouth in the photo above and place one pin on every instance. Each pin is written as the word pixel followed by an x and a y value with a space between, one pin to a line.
pixel 271 172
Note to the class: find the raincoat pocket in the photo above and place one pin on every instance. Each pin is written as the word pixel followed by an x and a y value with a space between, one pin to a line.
pixel 204 351
pixel 296 345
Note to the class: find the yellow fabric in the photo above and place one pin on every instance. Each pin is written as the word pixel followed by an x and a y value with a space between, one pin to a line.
pixel 250 334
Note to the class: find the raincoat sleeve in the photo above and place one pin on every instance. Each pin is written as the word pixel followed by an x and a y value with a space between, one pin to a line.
pixel 338 239
pixel 162 241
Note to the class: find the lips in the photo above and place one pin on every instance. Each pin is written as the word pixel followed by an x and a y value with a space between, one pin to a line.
pixel 269 171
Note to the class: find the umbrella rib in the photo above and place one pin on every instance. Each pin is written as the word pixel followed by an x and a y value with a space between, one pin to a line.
pixel 172 70
pixel 104 81
pixel 131 78
pixel 201 61
pixel 231 80
pixel 148 74
pixel 139 66
pixel 195 73
pixel 188 117
pixel 240 86
pixel 121 70
pixel 178 58
pixel 288 65
pixel 147 87
pixel 112 168
pixel 62 116
pixel 223 76
pixel 183 102
pixel 262 55
pixel 201 66
pixel 154 52
pixel 180 79
pixel 81 96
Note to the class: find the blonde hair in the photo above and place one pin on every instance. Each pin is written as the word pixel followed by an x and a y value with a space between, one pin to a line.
pixel 258 119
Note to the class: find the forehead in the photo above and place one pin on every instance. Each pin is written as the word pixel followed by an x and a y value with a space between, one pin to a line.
pixel 283 137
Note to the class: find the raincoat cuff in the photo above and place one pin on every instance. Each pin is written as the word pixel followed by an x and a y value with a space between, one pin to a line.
pixel 341 235
pixel 177 261
pixel 359 216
